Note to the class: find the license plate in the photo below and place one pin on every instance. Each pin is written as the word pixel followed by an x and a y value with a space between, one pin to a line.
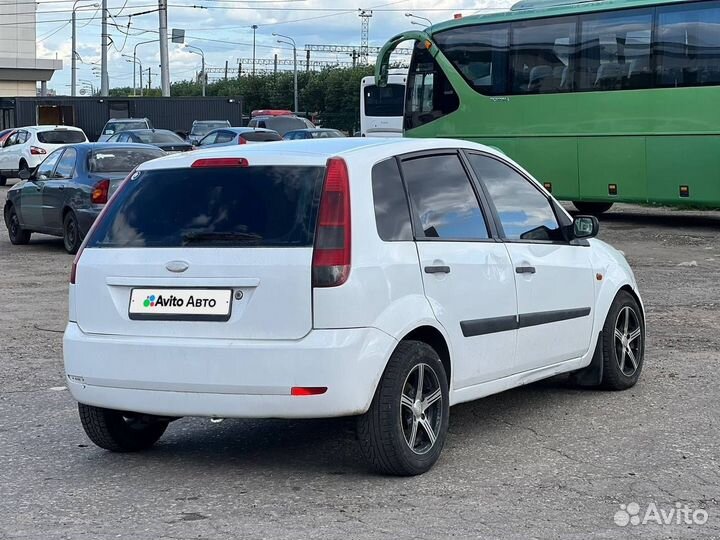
pixel 180 304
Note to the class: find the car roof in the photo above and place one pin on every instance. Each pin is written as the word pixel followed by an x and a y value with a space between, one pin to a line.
pixel 311 130
pixel 127 119
pixel 48 127
pixel 89 146
pixel 211 121
pixel 317 151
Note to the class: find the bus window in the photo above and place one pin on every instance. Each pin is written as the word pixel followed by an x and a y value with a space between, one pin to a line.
pixel 480 54
pixel 384 101
pixel 540 52
pixel 688 44
pixel 614 51
pixel 429 94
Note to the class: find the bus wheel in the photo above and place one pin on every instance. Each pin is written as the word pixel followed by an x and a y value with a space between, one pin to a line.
pixel 592 208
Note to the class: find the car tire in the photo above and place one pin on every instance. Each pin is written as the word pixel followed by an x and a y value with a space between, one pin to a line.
pixel 403 433
pixel 592 208
pixel 120 431
pixel 623 343
pixel 23 167
pixel 18 235
pixel 71 233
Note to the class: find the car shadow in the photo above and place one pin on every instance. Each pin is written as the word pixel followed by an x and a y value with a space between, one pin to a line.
pixel 329 446
pixel 661 218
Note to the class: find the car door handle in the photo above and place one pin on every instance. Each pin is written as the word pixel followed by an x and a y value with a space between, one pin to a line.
pixel 525 269
pixel 437 269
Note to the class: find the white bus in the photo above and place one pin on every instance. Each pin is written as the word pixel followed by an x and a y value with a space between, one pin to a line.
pixel 381 108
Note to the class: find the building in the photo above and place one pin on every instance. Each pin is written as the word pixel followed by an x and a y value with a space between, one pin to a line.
pixel 20 69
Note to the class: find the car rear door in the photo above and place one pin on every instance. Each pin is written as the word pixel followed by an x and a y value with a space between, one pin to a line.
pixel 31 200
pixel 241 236
pixel 467 273
pixel 554 278
pixel 53 191
pixel 6 153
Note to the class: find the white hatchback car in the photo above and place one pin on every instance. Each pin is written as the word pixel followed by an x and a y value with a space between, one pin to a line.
pixel 28 146
pixel 383 278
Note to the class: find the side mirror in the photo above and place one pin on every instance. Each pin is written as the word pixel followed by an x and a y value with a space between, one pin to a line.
pixel 194 142
pixel 585 227
pixel 25 174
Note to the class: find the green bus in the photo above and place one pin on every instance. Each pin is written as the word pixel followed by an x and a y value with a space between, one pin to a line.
pixel 603 101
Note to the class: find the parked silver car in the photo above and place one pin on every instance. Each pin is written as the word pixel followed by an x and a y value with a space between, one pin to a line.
pixel 238 135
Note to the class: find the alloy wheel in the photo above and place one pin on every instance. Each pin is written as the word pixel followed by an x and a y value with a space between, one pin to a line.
pixel 421 408
pixel 628 341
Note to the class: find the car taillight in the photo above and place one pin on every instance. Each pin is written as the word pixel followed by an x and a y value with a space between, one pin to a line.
pixel 36 151
pixel 100 192
pixel 331 253
pixel 242 140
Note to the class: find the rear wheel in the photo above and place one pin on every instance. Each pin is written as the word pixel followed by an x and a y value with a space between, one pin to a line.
pixel 592 208
pixel 23 167
pixel 624 343
pixel 18 235
pixel 120 431
pixel 405 428
pixel 71 233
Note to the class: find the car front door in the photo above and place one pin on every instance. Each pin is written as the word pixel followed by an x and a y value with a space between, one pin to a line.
pixel 554 278
pixel 55 190
pixel 467 273
pixel 7 162
pixel 31 199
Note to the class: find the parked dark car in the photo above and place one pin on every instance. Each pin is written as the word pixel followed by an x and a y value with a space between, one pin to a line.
pixel 162 138
pixel 238 135
pixel 66 192
pixel 312 133
pixel 280 123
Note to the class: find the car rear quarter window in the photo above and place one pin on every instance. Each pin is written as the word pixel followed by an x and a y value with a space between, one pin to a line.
pixel 443 198
pixel 524 212
pixel 64 136
pixel 392 214
pixel 256 206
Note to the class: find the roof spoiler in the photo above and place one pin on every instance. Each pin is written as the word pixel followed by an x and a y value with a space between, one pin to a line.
pixel 382 65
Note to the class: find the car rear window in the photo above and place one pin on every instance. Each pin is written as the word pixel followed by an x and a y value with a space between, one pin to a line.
pixel 114 127
pixel 158 137
pixel 257 206
pixel 260 136
pixel 61 136
pixel 112 160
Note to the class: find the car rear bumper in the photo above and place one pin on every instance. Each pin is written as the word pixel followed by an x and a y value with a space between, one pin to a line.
pixel 227 378
pixel 86 217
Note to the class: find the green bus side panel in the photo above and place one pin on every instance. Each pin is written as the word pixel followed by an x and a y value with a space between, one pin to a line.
pixel 692 161
pixel 612 160
pixel 549 159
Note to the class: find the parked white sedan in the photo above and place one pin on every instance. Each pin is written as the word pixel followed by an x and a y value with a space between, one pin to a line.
pixel 28 146
pixel 388 279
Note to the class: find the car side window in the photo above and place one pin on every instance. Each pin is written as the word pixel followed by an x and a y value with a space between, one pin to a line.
pixel 66 166
pixel 392 214
pixel 224 137
pixel 208 139
pixel 525 212
pixel 443 200
pixel 45 169
pixel 11 140
pixel 22 137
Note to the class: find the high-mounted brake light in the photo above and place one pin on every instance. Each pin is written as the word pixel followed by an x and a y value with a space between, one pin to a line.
pixel 331 253
pixel 100 192
pixel 219 162
pixel 37 151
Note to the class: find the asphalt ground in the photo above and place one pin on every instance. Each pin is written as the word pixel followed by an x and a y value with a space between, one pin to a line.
pixel 544 461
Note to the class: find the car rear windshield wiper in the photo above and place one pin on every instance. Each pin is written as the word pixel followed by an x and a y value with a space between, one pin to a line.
pixel 209 237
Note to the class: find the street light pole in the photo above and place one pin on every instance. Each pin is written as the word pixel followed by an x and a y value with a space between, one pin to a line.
pixel 74 55
pixel 135 61
pixel 104 80
pixel 254 28
pixel 413 16
pixel 164 60
pixel 291 42
pixel 134 57
pixel 202 56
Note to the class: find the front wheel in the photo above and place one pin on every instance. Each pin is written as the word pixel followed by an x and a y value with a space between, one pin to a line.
pixel 405 428
pixel 120 431
pixel 623 343
pixel 71 233
pixel 18 235
pixel 592 208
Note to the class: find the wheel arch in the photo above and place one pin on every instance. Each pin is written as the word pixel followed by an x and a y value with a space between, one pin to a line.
pixel 433 337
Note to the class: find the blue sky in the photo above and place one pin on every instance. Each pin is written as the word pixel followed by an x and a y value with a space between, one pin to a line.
pixel 222 29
